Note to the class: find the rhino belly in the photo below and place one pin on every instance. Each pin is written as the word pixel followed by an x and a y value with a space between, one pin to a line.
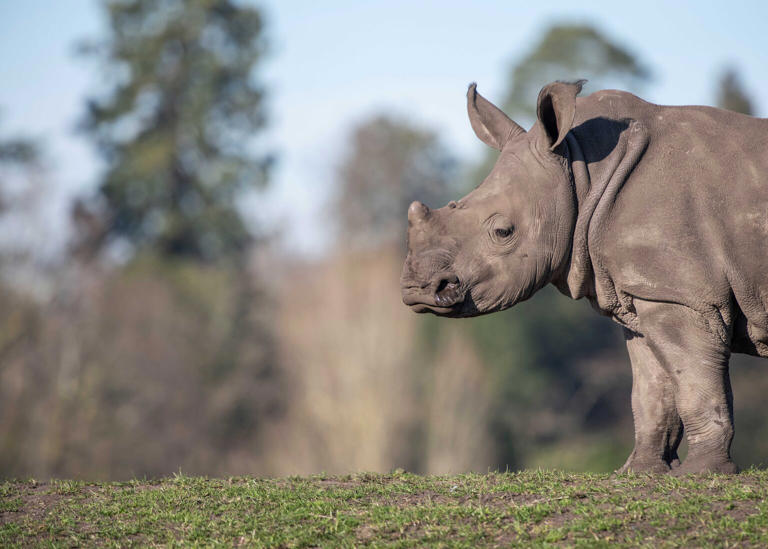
pixel 749 338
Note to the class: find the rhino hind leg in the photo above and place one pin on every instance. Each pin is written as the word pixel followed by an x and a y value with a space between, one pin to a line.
pixel 658 427
pixel 695 362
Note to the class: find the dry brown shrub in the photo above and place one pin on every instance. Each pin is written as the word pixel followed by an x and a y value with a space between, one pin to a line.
pixel 365 396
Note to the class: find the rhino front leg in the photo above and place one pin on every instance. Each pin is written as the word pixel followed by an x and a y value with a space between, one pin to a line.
pixel 697 362
pixel 658 427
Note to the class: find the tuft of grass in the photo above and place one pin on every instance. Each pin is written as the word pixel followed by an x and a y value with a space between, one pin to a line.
pixel 399 509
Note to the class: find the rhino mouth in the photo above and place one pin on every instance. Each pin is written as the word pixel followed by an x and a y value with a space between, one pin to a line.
pixel 428 308
pixel 446 300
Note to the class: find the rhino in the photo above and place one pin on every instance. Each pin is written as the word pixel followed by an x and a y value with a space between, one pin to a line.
pixel 657 215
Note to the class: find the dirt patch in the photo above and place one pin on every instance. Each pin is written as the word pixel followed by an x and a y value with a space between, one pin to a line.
pixel 37 502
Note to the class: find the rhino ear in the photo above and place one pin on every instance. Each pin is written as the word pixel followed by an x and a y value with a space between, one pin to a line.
pixel 555 110
pixel 491 125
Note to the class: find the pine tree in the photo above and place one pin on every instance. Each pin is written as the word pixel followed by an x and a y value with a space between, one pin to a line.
pixel 731 94
pixel 176 127
pixel 570 52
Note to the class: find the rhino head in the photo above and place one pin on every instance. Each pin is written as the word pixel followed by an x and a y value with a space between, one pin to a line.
pixel 511 235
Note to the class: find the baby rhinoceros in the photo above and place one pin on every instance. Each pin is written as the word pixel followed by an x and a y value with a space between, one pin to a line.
pixel 657 215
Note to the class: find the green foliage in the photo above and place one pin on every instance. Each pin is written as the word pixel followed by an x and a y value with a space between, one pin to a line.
pixel 176 126
pixel 731 94
pixel 530 508
pixel 390 163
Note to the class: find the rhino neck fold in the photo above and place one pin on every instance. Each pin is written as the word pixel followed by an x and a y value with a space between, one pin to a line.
pixel 597 179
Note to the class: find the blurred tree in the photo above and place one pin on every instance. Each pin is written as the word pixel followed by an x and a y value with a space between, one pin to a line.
pixel 21 161
pixel 16 154
pixel 731 94
pixel 19 152
pixel 27 224
pixel 569 51
pixel 166 361
pixel 176 127
pixel 390 164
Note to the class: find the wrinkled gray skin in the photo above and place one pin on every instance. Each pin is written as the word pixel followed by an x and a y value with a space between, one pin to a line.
pixel 657 215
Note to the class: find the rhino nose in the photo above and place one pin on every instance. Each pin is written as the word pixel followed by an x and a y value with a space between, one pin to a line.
pixel 417 212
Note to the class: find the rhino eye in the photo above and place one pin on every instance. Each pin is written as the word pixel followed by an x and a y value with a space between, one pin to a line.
pixel 503 232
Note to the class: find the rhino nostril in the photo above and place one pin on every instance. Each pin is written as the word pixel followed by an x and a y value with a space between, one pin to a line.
pixel 442 285
pixel 446 285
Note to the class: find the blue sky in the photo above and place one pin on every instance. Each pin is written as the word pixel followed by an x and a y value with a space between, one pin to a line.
pixel 335 62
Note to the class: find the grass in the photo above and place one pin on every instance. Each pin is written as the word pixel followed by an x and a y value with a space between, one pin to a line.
pixel 530 508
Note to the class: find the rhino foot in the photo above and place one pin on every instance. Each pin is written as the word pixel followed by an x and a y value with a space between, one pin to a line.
pixel 645 464
pixel 706 465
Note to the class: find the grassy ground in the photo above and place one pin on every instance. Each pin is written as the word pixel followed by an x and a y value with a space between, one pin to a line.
pixel 497 509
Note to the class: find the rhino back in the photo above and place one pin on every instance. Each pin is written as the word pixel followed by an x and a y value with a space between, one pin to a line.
pixel 690 224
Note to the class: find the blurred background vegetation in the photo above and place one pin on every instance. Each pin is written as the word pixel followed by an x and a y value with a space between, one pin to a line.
pixel 173 334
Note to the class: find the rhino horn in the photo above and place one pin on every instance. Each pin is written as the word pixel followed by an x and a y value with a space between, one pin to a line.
pixel 417 212
pixel 491 125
